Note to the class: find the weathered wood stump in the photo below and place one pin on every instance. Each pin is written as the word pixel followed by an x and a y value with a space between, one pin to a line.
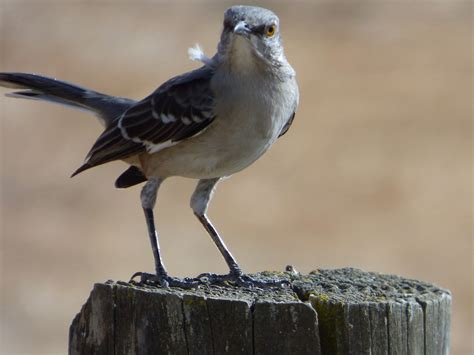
pixel 343 311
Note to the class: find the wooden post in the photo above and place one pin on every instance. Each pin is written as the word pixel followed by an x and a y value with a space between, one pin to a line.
pixel 343 311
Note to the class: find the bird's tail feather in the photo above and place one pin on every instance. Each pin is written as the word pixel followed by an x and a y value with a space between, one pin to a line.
pixel 38 87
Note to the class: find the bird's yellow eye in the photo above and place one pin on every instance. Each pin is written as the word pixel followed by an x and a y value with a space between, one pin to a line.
pixel 271 30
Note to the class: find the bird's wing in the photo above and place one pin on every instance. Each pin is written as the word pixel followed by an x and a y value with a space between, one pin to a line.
pixel 287 125
pixel 290 119
pixel 180 108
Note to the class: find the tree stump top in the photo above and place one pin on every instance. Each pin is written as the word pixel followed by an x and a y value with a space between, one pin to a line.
pixel 346 311
pixel 345 285
pixel 350 285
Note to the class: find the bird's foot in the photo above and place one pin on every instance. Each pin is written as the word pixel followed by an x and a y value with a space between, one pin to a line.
pixel 238 278
pixel 233 278
pixel 213 279
pixel 163 280
pixel 250 281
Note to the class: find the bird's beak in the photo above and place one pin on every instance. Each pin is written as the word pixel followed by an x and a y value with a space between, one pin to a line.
pixel 242 29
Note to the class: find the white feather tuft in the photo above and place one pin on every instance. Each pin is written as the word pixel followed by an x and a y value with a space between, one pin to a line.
pixel 196 53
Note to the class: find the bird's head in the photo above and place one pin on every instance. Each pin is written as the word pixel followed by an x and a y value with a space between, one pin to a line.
pixel 251 33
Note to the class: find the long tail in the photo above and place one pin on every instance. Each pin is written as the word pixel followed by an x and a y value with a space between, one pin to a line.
pixel 38 87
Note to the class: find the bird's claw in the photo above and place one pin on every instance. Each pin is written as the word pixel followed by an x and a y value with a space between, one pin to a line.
pixel 249 281
pixel 240 279
pixel 210 278
pixel 163 280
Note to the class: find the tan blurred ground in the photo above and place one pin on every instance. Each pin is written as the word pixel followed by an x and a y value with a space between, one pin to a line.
pixel 375 172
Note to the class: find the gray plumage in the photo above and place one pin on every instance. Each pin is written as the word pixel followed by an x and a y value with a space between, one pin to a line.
pixel 206 124
pixel 38 87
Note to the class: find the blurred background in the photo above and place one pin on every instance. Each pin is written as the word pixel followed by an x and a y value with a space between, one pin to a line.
pixel 375 172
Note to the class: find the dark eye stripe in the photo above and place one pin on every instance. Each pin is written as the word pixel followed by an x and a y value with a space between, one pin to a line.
pixel 259 29
pixel 228 26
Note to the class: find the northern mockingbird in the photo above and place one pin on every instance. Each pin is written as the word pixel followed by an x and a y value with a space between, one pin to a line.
pixel 206 124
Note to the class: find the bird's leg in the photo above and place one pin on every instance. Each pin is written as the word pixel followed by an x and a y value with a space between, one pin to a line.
pixel 161 277
pixel 148 198
pixel 199 203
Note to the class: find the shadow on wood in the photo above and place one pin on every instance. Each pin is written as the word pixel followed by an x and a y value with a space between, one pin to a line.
pixel 343 311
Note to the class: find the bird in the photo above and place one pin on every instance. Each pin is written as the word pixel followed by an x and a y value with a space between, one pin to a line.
pixel 206 124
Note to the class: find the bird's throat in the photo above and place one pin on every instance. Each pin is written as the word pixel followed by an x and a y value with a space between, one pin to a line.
pixel 242 57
